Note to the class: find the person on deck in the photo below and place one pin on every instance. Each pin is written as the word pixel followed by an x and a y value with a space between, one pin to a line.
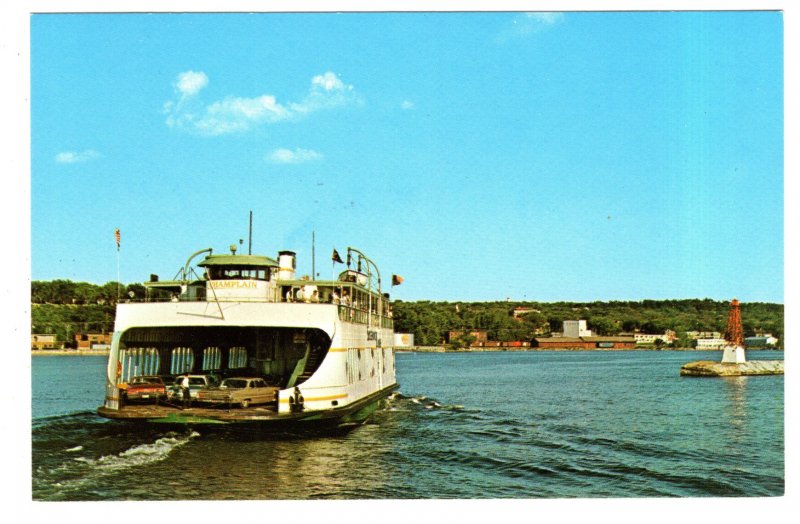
pixel 187 396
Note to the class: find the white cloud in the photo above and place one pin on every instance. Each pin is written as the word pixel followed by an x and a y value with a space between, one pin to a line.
pixel 190 83
pixel 240 114
pixel 237 114
pixel 526 24
pixel 298 156
pixel 327 91
pixel 407 104
pixel 71 157
pixel 329 82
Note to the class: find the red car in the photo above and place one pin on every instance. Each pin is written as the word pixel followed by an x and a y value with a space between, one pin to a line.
pixel 147 388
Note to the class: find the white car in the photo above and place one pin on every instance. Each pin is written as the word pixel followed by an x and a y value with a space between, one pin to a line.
pixel 196 383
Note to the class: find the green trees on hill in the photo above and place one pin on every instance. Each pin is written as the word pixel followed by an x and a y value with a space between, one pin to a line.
pixel 430 321
pixel 64 307
pixel 68 292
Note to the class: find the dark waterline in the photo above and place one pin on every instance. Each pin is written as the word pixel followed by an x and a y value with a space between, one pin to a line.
pixel 472 425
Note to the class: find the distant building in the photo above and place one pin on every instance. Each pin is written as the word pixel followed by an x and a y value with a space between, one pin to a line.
pixel 576 328
pixel 760 342
pixel 481 336
pixel 92 340
pixel 710 343
pixel 648 339
pixel 403 340
pixel 694 335
pixel 584 342
pixel 39 341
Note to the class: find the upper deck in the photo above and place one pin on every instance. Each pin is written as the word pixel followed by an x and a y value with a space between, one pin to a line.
pixel 259 279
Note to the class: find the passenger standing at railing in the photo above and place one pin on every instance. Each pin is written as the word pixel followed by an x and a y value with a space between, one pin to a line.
pixel 334 297
pixel 345 298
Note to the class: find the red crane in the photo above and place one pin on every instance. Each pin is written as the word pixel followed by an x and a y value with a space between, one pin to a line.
pixel 733 331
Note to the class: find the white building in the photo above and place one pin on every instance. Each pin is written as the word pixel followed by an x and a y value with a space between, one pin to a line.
pixel 404 340
pixel 694 335
pixel 710 343
pixel 643 338
pixel 576 328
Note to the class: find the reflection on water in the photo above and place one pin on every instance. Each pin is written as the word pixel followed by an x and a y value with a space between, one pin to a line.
pixel 736 389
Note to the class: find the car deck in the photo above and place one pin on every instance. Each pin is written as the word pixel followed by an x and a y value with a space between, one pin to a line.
pixel 168 412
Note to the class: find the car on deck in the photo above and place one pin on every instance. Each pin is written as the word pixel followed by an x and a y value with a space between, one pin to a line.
pixel 196 383
pixel 145 389
pixel 239 391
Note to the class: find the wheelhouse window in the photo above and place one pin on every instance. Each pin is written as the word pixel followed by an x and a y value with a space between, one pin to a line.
pixel 239 273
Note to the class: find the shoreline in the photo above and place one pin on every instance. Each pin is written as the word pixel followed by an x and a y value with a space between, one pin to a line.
pixel 439 349
pixel 419 349
pixel 75 352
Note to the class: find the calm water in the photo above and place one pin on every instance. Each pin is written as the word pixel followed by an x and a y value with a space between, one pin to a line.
pixel 477 425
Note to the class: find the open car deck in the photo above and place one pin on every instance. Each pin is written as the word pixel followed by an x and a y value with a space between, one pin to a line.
pixel 200 414
pixel 265 414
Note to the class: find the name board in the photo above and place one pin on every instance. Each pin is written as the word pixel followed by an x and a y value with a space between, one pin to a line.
pixel 233 284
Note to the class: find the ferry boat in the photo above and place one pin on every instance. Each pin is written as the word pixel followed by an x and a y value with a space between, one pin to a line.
pixel 324 347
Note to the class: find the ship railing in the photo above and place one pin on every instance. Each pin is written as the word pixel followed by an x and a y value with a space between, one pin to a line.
pixel 360 316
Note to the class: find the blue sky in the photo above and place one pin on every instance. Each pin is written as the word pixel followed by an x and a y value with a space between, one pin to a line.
pixel 482 156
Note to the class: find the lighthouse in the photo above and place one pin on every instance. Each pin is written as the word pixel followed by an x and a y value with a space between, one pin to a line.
pixel 733 353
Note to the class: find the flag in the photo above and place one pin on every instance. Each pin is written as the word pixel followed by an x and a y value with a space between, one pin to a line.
pixel 397 280
pixel 336 258
pixel 116 235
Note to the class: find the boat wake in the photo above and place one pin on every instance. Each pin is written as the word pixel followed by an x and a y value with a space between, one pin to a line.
pixel 400 402
pixel 138 455
pixel 66 470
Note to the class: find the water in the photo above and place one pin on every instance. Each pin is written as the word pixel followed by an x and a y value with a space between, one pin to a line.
pixel 472 425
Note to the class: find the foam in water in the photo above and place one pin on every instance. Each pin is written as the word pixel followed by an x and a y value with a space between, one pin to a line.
pixel 140 455
pixel 92 469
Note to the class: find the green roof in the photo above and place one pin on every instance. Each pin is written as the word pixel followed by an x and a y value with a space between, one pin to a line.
pixel 238 260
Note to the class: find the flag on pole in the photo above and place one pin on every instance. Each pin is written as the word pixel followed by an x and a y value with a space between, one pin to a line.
pixel 336 258
pixel 397 280
pixel 116 236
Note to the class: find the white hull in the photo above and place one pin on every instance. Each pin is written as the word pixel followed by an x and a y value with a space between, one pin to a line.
pixel 355 365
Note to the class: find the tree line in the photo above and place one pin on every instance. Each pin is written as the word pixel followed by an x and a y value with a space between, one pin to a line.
pixel 431 321
pixel 63 307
